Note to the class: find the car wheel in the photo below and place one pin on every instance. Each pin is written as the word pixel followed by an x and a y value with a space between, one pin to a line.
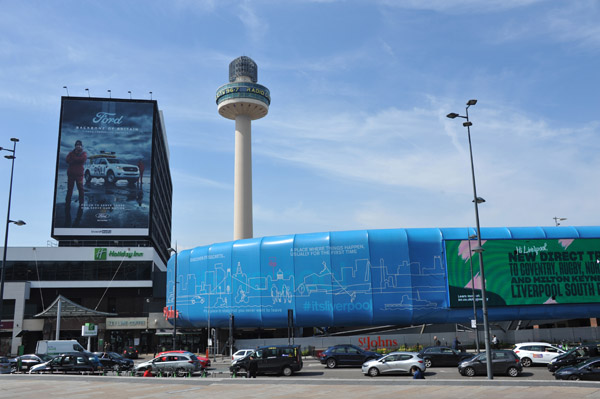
pixel 331 363
pixel 287 371
pixel 526 362
pixel 513 372
pixel 117 368
pixel 180 372
pixel 242 370
pixel 574 377
pixel 110 177
pixel 428 363
pixel 470 372
pixel 373 372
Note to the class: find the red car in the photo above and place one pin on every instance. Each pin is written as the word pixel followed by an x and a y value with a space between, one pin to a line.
pixel 204 361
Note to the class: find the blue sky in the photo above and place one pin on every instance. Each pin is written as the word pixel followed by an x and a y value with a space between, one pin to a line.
pixel 356 136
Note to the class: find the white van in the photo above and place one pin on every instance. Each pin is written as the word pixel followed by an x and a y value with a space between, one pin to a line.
pixel 47 347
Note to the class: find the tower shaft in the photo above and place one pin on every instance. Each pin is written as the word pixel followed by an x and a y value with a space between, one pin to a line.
pixel 242 202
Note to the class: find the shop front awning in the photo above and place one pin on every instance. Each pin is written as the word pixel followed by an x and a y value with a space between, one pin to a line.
pixel 67 308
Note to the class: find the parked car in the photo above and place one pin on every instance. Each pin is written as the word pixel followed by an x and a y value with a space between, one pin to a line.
pixel 284 359
pixel 394 363
pixel 204 361
pixel 181 364
pixel 442 356
pixel 4 365
pixel 588 370
pixel 241 353
pixel 575 356
pixel 25 362
pixel 346 355
pixel 536 352
pixel 504 362
pixel 69 363
pixel 131 352
pixel 114 361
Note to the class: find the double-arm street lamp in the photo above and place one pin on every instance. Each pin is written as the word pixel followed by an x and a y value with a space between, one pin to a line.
pixel 478 248
pixel 174 250
pixel 8 221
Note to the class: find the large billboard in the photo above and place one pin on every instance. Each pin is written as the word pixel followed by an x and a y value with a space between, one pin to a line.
pixel 526 272
pixel 102 185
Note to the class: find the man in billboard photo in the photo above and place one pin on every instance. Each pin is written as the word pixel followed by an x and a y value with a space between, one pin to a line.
pixel 75 159
pixel 140 166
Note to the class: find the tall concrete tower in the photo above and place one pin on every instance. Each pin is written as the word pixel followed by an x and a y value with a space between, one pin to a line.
pixel 243 100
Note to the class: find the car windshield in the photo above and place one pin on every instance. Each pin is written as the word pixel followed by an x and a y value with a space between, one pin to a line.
pixel 113 160
pixel 45 357
pixel 116 355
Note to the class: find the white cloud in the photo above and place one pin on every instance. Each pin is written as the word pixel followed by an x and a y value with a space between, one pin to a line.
pixel 257 27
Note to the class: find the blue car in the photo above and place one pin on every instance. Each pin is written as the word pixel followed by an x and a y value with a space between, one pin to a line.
pixel 346 355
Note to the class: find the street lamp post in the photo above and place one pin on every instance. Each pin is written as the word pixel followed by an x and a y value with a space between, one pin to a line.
pixel 8 221
pixel 174 250
pixel 473 293
pixel 479 249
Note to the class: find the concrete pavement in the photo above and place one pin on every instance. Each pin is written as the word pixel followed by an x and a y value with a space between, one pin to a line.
pixel 89 387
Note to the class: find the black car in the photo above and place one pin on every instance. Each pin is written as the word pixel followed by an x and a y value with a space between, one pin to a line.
pixel 588 370
pixel 442 356
pixel 112 360
pixel 70 363
pixel 284 360
pixel 25 362
pixel 131 352
pixel 504 362
pixel 575 356
pixel 346 355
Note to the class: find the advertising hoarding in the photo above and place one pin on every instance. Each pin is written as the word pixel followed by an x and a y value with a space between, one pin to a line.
pixel 526 272
pixel 103 183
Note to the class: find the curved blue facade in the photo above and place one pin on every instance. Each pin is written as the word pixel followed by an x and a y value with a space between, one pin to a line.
pixel 347 278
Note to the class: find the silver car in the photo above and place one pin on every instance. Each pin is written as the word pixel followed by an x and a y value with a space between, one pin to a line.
pixel 394 363
pixel 180 364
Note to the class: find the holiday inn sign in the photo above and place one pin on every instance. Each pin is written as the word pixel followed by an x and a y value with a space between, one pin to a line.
pixel 106 254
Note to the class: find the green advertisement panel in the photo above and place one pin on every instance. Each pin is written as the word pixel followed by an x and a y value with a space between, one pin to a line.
pixel 525 272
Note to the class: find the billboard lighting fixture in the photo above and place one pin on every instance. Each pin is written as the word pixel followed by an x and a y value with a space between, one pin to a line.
pixel 65 87
pixel 109 93
pixel 88 91
pixel 129 91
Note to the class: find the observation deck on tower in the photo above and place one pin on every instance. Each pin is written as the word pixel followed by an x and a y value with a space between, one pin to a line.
pixel 243 96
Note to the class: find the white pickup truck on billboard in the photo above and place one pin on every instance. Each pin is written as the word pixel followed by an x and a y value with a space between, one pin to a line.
pixel 107 166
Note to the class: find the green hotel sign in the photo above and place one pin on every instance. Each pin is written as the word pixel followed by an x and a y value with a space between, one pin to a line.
pixel 526 272
pixel 105 254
